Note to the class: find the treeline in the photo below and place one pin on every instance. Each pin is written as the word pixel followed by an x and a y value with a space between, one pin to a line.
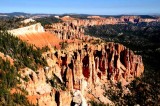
pixel 48 20
pixel 9 23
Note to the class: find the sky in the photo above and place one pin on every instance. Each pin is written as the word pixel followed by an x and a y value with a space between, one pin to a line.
pixel 97 7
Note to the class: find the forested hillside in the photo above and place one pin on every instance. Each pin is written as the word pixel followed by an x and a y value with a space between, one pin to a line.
pixel 24 55
pixel 48 20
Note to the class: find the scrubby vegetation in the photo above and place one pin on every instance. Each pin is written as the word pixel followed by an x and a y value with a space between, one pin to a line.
pixel 63 45
pixel 24 55
pixel 56 83
pixel 143 39
pixel 94 103
pixel 8 80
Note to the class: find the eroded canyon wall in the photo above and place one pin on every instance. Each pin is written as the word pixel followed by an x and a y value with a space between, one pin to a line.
pixel 72 28
pixel 81 68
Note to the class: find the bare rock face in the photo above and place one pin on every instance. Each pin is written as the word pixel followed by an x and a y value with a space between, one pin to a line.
pixel 27 20
pixel 78 99
pixel 73 29
pixel 36 28
pixel 40 90
pixel 66 30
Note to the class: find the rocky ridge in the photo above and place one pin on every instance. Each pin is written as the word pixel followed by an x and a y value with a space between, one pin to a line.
pixel 72 28
pixel 97 20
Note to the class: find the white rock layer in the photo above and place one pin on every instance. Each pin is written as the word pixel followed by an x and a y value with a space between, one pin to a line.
pixel 35 28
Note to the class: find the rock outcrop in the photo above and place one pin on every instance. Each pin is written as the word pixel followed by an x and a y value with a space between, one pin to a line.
pixel 36 28
pixel 66 30
pixel 6 57
pixel 27 21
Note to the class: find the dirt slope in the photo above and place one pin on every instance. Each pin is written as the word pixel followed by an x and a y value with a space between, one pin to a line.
pixel 41 39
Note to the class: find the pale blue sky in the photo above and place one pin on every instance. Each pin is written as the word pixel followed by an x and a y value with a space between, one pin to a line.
pixel 102 7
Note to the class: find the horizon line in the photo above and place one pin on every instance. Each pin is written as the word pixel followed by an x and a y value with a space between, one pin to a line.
pixel 81 13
